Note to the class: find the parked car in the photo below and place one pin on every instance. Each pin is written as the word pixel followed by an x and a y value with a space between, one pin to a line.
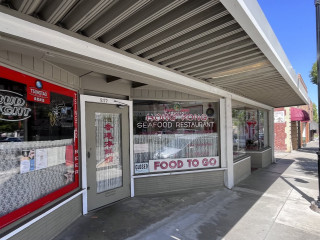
pixel 11 139
pixel 241 141
pixel 189 145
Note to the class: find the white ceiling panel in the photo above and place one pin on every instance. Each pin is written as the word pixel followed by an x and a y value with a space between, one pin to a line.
pixel 199 38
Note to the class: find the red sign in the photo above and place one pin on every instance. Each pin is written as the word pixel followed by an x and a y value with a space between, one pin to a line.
pixel 108 143
pixel 38 95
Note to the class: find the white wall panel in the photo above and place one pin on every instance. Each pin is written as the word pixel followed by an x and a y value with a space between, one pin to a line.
pixel 162 95
pixel 38 68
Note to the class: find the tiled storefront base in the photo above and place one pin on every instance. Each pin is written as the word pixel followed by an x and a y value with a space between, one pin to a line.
pixel 179 182
pixel 242 169
pixel 260 159
pixel 53 223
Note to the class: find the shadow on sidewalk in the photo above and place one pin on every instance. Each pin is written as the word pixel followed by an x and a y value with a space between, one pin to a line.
pixel 203 214
pixel 305 196
pixel 197 214
pixel 308 150
pixel 262 179
pixel 308 166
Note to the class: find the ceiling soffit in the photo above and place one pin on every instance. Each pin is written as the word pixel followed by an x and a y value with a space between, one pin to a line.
pixel 198 38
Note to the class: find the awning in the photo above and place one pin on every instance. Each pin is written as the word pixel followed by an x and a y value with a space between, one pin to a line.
pixel 299 115
pixel 223 44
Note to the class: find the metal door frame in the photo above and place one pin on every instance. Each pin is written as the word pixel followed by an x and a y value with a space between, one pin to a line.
pixel 103 100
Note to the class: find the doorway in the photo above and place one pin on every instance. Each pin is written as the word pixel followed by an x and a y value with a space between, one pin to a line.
pixel 105 150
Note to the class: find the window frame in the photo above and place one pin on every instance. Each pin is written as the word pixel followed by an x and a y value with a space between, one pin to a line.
pixel 21 212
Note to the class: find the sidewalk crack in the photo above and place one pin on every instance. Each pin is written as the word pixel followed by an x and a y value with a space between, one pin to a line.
pixel 278 214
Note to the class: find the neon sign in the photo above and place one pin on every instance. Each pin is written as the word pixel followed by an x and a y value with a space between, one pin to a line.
pixel 13 106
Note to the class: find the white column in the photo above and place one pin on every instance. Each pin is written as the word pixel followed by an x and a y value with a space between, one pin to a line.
pixel 271 132
pixel 266 129
pixel 226 140
pixel 223 152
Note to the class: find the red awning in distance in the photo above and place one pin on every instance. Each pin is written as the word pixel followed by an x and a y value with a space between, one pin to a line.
pixel 299 115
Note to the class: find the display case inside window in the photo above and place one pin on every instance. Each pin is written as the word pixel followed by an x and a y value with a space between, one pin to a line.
pixel 239 132
pixel 175 136
pixel 38 144
pixel 250 131
pixel 263 129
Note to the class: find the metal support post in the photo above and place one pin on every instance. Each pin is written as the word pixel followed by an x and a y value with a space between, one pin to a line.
pixel 316 205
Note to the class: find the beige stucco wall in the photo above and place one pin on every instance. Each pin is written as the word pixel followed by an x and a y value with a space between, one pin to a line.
pixel 288 129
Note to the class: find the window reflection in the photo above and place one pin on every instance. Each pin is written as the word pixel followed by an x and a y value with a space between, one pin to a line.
pixel 175 136
pixel 250 128
pixel 36 142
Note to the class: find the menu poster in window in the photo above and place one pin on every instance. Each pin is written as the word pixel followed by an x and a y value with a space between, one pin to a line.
pixel 24 165
pixel 41 158
pixel 52 156
pixel 61 155
pixel 27 162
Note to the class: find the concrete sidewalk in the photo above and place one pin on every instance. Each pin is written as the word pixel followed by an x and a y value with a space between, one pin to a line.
pixel 273 203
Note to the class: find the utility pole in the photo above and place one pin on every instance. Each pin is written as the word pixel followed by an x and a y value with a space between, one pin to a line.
pixel 316 205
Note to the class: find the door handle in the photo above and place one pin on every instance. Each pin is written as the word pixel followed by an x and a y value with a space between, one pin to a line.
pixel 88 154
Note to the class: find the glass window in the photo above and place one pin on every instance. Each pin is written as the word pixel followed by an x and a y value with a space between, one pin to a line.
pixel 239 132
pixel 263 129
pixel 108 151
pixel 175 136
pixel 250 131
pixel 38 144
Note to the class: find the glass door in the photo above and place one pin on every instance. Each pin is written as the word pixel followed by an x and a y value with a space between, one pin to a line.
pixel 107 137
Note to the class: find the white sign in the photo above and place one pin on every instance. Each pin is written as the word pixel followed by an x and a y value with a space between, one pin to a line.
pixel 41 158
pixel 52 156
pixel 279 117
pixel 141 148
pixel 61 155
pixel 165 165
pixel 56 156
pixel 141 167
pixel 24 166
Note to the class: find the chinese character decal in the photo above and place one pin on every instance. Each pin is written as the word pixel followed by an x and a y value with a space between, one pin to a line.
pixel 109 164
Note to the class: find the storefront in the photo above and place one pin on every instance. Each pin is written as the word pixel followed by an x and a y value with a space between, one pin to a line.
pixel 251 136
pixel 127 146
pixel 159 104
pixel 173 142
pixel 300 120
pixel 38 145
pixel 175 136
pixel 292 127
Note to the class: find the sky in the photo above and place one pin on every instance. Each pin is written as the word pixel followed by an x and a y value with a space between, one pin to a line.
pixel 294 23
